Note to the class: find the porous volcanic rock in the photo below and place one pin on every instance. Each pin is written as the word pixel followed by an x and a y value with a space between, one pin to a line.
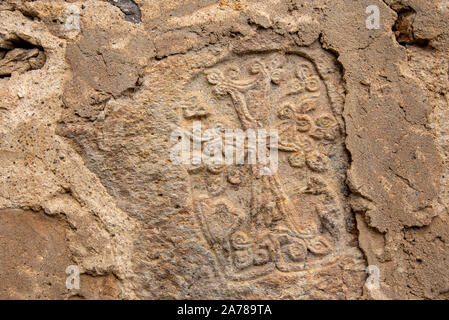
pixel 92 91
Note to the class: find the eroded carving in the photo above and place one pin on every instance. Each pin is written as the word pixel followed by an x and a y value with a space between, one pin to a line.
pixel 289 221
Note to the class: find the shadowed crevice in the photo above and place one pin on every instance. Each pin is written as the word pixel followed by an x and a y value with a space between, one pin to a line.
pixel 19 55
pixel 403 28
pixel 129 8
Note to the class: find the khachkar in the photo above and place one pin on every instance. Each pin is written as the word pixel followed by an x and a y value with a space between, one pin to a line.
pixel 289 221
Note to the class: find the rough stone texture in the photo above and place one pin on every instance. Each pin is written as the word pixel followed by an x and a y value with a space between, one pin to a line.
pixel 86 178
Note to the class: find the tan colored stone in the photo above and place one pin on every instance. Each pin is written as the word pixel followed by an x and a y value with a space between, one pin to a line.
pixel 363 150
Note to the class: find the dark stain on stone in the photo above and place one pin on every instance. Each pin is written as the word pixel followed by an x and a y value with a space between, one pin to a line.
pixel 129 8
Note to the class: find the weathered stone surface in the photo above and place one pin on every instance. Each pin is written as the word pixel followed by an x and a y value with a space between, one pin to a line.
pixel 91 92
pixel 35 251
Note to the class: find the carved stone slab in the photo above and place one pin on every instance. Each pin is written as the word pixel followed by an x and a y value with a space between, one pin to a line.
pixel 290 221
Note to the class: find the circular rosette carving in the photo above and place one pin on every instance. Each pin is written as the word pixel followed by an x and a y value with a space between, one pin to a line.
pixel 276 71
pixel 316 161
pixel 286 111
pixel 306 75
pixel 276 76
pixel 290 139
pixel 297 160
pixel 221 90
pixel 303 122
pixel 319 245
pixel 292 253
pixel 248 253
pixel 217 79
pixel 289 130
pixel 214 76
pixel 296 250
pixel 256 67
pixel 313 84
pixel 326 127
pixel 305 145
pixel 240 240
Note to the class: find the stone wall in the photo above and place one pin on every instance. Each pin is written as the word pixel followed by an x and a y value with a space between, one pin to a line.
pixel 92 91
